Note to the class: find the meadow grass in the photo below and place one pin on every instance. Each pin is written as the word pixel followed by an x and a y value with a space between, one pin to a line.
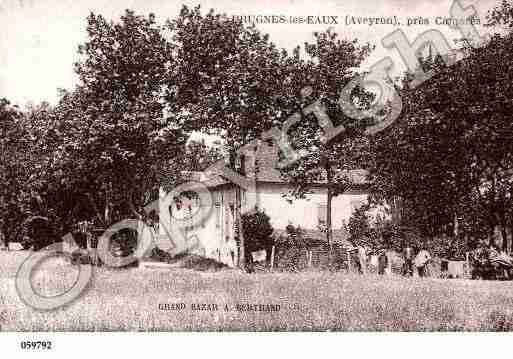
pixel 128 300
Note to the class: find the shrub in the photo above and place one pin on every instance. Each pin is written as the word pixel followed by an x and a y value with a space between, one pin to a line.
pixel 397 237
pixel 159 255
pixel 359 225
pixel 257 231
pixel 295 237
pixel 360 229
pixel 291 249
pixel 38 232
pixel 81 256
pixel 384 234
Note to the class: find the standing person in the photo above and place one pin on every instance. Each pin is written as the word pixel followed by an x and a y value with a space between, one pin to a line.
pixel 382 261
pixel 421 261
pixel 408 260
pixel 362 258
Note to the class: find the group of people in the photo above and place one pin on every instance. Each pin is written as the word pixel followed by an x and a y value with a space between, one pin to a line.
pixel 420 261
pixel 489 262
pixel 379 258
pixel 412 261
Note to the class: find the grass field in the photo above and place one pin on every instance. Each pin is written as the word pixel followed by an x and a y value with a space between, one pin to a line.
pixel 128 300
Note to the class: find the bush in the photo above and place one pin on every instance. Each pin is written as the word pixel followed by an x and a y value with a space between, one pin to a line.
pixel 360 229
pixel 291 250
pixel 397 237
pixel 81 256
pixel 257 231
pixel 384 234
pixel 359 225
pixel 159 255
pixel 294 239
pixel 38 232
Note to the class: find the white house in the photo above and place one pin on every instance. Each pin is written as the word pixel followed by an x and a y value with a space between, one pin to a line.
pixel 216 232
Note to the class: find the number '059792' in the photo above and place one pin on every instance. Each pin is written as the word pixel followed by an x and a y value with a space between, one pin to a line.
pixel 36 345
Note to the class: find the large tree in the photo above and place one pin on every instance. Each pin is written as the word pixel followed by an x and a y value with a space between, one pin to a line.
pixel 116 144
pixel 328 66
pixel 225 80
pixel 449 157
pixel 15 168
pixel 199 155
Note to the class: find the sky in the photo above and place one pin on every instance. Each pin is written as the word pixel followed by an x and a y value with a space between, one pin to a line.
pixel 39 38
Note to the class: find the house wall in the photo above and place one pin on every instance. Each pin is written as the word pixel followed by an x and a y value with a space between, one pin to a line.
pixel 306 212
pixel 211 234
pixel 216 233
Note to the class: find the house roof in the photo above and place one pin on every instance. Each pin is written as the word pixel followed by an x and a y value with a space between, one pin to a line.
pixel 215 181
pixel 263 164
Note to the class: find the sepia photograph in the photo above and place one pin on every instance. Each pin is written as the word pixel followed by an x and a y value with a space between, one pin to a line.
pixel 255 166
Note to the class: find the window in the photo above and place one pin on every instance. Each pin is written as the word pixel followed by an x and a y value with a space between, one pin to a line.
pixel 322 212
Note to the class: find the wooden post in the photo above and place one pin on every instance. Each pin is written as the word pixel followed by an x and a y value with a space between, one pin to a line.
pixel 272 258
pixel 389 262
pixel 467 265
pixel 95 256
pixel 329 232
pixel 309 258
pixel 348 261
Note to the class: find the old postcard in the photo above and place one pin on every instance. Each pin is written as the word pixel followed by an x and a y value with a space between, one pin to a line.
pixel 256 166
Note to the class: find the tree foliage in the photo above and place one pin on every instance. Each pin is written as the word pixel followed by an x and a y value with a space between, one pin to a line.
pixel 199 156
pixel 449 157
pixel 257 230
pixel 329 66
pixel 15 166
pixel 102 152
pixel 224 77
pixel 118 144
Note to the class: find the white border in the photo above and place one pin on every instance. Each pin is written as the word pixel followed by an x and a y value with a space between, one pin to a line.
pixel 261 345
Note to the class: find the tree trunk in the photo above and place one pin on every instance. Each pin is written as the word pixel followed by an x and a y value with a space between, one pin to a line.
pixel 396 209
pixel 3 237
pixel 504 236
pixel 106 213
pixel 500 228
pixel 95 207
pixel 456 226
pixel 238 210
pixel 107 204
pixel 509 238
pixel 329 233
pixel 238 202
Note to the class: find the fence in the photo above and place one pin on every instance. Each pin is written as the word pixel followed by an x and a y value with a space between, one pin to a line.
pixel 317 256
